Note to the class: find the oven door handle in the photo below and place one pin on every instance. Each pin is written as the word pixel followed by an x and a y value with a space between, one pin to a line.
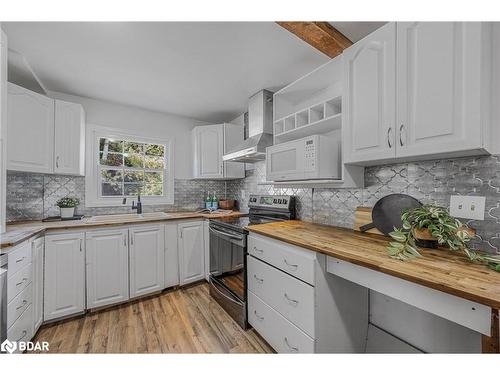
pixel 226 234
pixel 225 294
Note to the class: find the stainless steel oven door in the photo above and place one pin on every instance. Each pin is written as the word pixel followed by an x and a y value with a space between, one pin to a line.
pixel 227 259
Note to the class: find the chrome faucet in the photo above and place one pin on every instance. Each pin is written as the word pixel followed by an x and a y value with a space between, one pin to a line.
pixel 137 206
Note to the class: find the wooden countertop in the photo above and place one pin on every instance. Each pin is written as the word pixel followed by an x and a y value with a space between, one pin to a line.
pixel 436 269
pixel 21 231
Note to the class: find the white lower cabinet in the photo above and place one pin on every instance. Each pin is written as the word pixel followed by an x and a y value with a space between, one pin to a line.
pixel 147 259
pixel 191 252
pixel 282 335
pixel 171 256
pixel 324 314
pixel 64 283
pixel 107 267
pixel 38 247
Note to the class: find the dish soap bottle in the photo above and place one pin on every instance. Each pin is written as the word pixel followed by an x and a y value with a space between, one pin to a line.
pixel 208 201
pixel 215 202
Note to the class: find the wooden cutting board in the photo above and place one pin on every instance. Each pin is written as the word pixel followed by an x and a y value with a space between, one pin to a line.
pixel 362 216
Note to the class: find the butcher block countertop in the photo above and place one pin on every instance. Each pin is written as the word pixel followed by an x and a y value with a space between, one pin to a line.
pixel 436 269
pixel 21 231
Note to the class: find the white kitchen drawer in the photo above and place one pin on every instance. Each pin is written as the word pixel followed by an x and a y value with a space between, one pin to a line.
pixel 19 304
pixel 291 259
pixel 19 258
pixel 18 281
pixel 282 335
pixel 292 298
pixel 22 330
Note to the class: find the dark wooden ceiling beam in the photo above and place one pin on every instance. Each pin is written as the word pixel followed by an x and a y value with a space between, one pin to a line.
pixel 321 35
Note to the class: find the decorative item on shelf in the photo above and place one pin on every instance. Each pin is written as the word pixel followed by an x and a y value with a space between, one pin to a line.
pixel 432 226
pixel 227 204
pixel 67 206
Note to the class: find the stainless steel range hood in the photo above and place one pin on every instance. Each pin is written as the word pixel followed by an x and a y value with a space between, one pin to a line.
pixel 260 130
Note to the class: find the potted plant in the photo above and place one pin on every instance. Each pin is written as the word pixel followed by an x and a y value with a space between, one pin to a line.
pixel 67 206
pixel 432 226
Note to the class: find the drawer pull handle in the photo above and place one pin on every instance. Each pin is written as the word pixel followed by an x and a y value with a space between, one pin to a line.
pixel 260 281
pixel 22 305
pixel 25 332
pixel 261 318
pixel 291 300
pixel 258 250
pixel 294 266
pixel 20 260
pixel 22 282
pixel 292 348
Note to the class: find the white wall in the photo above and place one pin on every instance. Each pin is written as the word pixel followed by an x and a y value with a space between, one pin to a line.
pixel 143 122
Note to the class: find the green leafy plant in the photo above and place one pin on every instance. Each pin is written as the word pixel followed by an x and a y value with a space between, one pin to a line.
pixel 445 229
pixel 68 202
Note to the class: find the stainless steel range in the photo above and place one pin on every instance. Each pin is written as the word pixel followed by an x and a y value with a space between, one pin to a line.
pixel 228 250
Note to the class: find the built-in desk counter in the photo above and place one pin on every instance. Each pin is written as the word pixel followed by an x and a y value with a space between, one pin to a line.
pixel 440 282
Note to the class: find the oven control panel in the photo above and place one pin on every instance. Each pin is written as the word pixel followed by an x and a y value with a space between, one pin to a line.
pixel 275 201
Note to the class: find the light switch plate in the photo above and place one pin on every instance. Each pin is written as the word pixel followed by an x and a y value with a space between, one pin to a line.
pixel 467 206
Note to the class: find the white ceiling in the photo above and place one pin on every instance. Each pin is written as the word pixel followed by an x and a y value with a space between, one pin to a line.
pixel 201 70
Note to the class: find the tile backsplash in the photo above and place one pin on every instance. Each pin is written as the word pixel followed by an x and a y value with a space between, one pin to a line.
pixel 33 196
pixel 428 181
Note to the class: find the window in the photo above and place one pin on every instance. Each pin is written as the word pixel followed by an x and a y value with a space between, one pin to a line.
pixel 126 165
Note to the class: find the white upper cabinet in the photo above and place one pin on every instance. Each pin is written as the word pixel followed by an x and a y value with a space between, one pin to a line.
pixel 439 87
pixel 191 252
pixel 210 142
pixel 44 135
pixel 147 259
pixel 30 129
pixel 107 267
pixel 436 104
pixel 69 147
pixel 64 282
pixel 369 105
pixel 3 126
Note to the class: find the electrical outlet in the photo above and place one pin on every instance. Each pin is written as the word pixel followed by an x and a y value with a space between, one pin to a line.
pixel 467 206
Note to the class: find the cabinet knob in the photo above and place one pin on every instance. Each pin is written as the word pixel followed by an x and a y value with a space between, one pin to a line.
pixel 57 161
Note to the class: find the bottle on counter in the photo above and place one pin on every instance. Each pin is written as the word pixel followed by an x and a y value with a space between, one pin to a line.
pixel 208 201
pixel 215 202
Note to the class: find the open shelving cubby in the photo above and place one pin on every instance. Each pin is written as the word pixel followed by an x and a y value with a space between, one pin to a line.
pixel 313 105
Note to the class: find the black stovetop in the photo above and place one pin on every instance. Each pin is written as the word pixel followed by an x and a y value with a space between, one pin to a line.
pixel 239 223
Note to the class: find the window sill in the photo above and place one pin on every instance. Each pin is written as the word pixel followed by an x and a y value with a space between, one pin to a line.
pixel 119 202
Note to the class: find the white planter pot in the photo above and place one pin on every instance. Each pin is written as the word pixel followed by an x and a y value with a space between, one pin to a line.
pixel 67 212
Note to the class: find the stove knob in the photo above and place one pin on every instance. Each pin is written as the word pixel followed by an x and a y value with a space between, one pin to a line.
pixel 274 200
pixel 279 201
pixel 285 201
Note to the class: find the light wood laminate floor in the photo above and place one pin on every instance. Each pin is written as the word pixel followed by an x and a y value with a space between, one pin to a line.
pixel 180 321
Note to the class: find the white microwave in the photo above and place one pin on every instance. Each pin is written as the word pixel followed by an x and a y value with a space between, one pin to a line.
pixel 312 158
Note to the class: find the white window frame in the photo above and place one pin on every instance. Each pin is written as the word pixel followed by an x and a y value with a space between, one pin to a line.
pixel 92 177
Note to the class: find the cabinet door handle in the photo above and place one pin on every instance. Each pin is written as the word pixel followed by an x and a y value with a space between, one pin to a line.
pixel 81 245
pixel 23 336
pixel 401 129
pixel 131 239
pixel 22 282
pixel 294 266
pixel 222 169
pixel 258 250
pixel 389 133
pixel 261 318
pixel 20 260
pixel 22 304
pixel 57 161
pixel 291 300
pixel 260 281
pixel 125 241
pixel 292 348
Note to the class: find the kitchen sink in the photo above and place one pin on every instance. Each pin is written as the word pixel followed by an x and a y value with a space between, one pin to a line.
pixel 127 217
